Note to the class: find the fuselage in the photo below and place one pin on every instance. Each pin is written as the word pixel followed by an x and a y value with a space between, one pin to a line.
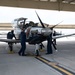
pixel 34 33
pixel 33 30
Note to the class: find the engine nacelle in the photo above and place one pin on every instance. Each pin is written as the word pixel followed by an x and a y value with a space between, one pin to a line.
pixel 46 31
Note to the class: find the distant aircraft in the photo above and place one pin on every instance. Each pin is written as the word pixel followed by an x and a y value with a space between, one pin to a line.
pixel 35 34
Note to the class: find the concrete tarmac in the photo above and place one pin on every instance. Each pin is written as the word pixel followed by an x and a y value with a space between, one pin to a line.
pixel 13 64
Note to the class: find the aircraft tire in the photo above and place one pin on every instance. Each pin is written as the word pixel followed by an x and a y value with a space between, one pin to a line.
pixel 37 52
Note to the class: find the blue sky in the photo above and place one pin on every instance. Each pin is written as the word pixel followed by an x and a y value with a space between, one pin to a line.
pixel 8 14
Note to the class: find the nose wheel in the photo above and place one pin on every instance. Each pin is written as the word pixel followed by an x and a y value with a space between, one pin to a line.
pixel 37 52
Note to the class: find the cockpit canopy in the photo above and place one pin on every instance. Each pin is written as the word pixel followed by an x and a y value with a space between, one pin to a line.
pixel 21 22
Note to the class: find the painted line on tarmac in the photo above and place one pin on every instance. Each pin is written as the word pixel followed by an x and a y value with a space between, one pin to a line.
pixel 55 66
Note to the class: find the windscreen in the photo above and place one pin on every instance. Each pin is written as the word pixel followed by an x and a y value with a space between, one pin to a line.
pixel 18 23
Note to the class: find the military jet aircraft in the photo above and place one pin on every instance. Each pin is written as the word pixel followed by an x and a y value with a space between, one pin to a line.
pixel 35 34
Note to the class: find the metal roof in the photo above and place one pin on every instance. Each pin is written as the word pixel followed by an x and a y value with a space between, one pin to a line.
pixel 62 1
pixel 61 5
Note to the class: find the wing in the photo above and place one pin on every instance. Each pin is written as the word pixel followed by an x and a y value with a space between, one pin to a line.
pixel 18 41
pixel 9 40
pixel 61 36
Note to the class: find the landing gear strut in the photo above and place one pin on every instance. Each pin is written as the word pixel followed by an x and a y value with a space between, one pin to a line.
pixel 37 50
